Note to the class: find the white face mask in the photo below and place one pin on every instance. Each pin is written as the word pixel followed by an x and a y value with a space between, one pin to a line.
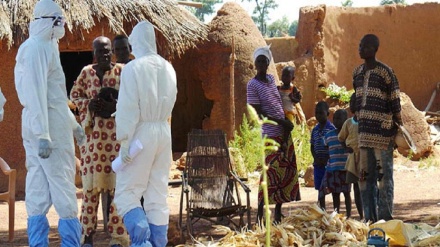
pixel 58 32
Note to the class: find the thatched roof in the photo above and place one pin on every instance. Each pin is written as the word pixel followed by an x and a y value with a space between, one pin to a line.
pixel 177 28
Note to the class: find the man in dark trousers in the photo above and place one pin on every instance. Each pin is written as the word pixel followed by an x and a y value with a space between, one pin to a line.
pixel 378 104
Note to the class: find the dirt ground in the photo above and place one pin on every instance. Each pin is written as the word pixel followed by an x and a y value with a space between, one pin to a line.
pixel 417 199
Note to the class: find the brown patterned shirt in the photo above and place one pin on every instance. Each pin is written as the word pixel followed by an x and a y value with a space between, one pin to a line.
pixel 378 104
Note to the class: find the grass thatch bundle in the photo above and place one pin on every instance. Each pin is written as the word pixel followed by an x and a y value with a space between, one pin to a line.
pixel 177 28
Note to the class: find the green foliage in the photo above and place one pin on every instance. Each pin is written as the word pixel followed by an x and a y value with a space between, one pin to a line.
pixel 293 27
pixel 265 144
pixel 246 145
pixel 339 93
pixel 301 141
pixel 278 28
pixel 429 162
pixel 261 13
pixel 282 27
pixel 385 2
pixel 207 9
pixel 347 3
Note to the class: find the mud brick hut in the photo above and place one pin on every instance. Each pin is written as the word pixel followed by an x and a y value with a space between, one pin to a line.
pixel 176 31
pixel 328 40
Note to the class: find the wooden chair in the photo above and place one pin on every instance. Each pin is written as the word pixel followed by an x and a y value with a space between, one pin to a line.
pixel 9 196
pixel 209 185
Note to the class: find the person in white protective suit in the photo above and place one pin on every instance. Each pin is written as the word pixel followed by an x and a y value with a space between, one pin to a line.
pixel 47 127
pixel 2 104
pixel 146 99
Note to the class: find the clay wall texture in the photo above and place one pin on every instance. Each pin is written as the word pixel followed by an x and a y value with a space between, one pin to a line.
pixel 208 68
pixel 283 48
pixel 409 43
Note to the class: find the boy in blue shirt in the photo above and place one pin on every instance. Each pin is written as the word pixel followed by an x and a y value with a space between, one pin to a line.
pixel 318 148
pixel 335 176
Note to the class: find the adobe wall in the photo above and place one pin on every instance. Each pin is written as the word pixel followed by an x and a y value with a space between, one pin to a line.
pixel 283 48
pixel 204 78
pixel 409 43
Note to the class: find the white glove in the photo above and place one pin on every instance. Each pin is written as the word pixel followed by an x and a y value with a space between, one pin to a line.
pixel 44 148
pixel 125 152
pixel 79 135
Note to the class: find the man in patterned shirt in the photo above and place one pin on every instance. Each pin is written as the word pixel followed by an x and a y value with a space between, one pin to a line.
pixel 101 147
pixel 378 103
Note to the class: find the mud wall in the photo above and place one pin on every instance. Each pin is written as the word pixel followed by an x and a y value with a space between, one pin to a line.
pixel 310 66
pixel 208 68
pixel 283 48
pixel 409 43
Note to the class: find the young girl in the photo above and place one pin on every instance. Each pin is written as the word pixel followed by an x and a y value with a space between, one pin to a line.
pixel 335 175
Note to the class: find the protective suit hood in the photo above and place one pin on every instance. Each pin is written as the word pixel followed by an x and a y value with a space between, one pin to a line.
pixel 142 39
pixel 43 28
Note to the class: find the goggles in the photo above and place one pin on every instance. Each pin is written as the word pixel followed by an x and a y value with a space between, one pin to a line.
pixel 57 20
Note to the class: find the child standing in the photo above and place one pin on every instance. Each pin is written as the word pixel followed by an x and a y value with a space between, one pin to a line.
pixel 348 136
pixel 319 150
pixel 335 175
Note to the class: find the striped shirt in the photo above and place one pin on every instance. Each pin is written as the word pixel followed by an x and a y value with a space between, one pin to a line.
pixel 337 153
pixel 317 140
pixel 267 96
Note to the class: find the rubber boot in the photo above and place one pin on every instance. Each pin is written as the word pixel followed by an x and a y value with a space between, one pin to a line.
pixel 38 231
pixel 137 227
pixel 70 232
pixel 159 236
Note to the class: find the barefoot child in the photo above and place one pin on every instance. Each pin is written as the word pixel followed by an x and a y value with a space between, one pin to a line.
pixel 334 179
pixel 348 136
pixel 318 148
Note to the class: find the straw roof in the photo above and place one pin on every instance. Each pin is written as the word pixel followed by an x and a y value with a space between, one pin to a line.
pixel 177 29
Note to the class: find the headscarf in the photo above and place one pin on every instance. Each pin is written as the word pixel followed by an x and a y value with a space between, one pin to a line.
pixel 265 51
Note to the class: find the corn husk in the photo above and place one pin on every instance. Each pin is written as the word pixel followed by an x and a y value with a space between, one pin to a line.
pixel 312 227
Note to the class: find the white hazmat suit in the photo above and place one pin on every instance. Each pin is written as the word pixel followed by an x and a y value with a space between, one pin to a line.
pixel 47 125
pixel 146 99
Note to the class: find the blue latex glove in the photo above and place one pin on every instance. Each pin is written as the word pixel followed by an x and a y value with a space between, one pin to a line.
pixel 125 152
pixel 44 148
pixel 79 135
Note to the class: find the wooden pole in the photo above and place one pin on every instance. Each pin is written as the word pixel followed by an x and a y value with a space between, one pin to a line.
pixel 191 4
pixel 232 89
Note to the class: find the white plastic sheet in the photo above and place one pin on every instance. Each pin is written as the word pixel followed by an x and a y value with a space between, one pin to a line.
pixel 135 147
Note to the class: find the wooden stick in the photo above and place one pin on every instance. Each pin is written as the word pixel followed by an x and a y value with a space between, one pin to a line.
pixel 432 97
pixel 436 114
pixel 232 89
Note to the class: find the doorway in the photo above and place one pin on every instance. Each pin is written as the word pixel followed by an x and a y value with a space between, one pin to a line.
pixel 73 63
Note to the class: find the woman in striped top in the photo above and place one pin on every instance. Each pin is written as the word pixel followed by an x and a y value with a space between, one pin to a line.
pixel 263 95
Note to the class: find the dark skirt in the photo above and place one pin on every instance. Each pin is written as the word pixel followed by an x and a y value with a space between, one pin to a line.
pixel 334 182
pixel 283 185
